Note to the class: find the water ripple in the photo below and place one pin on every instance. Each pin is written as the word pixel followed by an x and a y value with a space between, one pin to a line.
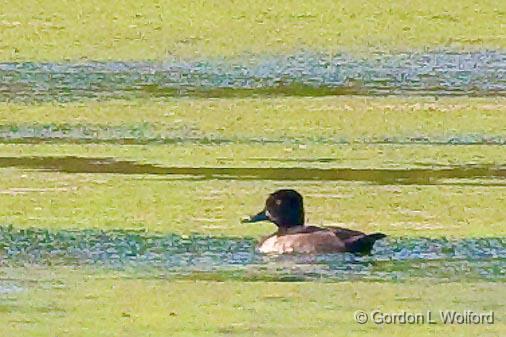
pixel 221 257
pixel 306 73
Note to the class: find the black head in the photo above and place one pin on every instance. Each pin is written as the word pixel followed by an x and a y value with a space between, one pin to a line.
pixel 285 208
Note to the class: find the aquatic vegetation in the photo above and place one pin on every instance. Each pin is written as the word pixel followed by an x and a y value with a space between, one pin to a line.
pixel 82 301
pixel 174 29
pixel 188 202
pixel 324 120
pixel 134 137
pixel 191 153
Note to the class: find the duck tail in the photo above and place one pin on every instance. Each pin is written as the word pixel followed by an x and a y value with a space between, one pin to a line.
pixel 363 244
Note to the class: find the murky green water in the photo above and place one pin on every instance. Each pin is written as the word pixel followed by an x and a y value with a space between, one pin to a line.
pixel 198 256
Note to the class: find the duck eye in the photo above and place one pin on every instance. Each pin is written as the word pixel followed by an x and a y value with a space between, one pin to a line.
pixel 278 202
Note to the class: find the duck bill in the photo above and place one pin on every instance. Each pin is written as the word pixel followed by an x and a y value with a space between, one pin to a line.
pixel 261 216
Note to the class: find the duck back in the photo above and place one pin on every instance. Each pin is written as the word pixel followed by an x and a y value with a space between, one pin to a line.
pixel 312 242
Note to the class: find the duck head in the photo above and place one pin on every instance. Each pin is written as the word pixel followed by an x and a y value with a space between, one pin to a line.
pixel 285 208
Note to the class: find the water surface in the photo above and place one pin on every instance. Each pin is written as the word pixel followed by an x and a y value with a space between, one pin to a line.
pixel 199 256
pixel 301 74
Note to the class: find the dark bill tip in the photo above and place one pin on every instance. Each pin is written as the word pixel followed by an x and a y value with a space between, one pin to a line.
pixel 256 218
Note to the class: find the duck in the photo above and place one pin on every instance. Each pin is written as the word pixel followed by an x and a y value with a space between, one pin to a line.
pixel 285 208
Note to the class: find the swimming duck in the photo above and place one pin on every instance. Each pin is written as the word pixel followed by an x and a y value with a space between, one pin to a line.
pixel 285 209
